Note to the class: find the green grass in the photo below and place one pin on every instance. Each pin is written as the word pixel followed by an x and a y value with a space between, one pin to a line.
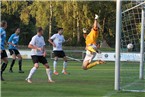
pixel 96 82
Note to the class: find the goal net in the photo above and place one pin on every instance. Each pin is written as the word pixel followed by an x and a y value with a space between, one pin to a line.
pixel 130 57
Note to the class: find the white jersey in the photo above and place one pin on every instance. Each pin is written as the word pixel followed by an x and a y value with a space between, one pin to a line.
pixel 39 42
pixel 58 40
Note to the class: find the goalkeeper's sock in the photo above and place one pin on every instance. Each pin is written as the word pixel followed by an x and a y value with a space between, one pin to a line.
pixel 93 64
pixel 54 66
pixel 32 71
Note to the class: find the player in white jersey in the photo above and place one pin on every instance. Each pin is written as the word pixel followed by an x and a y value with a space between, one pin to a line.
pixel 56 40
pixel 38 51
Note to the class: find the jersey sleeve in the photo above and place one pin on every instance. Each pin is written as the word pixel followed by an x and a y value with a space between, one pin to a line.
pixel 2 32
pixel 43 42
pixel 63 39
pixel 11 38
pixel 32 42
pixel 53 37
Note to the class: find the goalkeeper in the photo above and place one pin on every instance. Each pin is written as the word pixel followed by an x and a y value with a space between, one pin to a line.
pixel 91 46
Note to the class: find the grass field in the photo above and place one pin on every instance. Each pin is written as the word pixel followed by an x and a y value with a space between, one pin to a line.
pixel 96 82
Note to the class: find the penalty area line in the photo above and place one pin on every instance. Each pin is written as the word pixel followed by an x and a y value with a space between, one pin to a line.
pixel 110 94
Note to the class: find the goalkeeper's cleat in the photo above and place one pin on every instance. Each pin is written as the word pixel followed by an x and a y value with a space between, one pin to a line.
pixel 101 62
pixel 55 73
pixel 28 80
pixel 90 48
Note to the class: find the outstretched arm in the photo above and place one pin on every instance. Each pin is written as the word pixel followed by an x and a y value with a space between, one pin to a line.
pixel 95 25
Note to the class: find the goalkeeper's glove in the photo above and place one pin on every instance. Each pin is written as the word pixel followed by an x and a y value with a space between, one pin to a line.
pixel 96 16
pixel 84 30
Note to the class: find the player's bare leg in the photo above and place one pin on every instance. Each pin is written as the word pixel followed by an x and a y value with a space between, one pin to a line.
pixel 85 64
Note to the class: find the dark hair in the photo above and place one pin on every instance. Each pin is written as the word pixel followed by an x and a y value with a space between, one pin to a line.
pixel 59 29
pixel 3 22
pixel 17 28
pixel 39 29
pixel 98 43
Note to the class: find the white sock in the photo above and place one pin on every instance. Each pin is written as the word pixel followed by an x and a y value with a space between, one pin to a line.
pixel 64 66
pixel 32 71
pixel 54 66
pixel 48 72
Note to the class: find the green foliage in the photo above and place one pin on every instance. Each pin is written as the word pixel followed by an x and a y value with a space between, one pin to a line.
pixel 71 15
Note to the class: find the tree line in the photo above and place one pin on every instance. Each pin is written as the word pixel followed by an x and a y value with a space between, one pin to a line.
pixel 72 15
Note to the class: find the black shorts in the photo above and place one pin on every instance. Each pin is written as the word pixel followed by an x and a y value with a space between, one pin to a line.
pixel 14 51
pixel 4 54
pixel 37 59
pixel 59 54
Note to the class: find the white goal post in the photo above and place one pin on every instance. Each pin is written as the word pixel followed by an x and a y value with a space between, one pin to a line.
pixel 117 48
pixel 118 42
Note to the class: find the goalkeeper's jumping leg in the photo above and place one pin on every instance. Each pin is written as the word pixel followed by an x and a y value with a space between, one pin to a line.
pixel 87 65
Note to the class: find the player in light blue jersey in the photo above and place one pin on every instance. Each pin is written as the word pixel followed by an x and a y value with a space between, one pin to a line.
pixel 4 58
pixel 13 44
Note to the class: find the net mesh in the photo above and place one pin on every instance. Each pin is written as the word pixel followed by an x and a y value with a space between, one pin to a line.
pixel 131 31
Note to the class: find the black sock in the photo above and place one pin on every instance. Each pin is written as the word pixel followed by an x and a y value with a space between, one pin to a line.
pixel 12 64
pixel 3 67
pixel 20 65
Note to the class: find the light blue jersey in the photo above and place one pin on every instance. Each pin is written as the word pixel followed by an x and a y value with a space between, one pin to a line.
pixel 14 38
pixel 3 38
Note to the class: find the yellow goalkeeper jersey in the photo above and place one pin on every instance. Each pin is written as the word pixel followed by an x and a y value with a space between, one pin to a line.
pixel 92 37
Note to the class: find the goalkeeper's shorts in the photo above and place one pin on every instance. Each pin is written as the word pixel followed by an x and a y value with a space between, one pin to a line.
pixel 89 56
pixel 92 48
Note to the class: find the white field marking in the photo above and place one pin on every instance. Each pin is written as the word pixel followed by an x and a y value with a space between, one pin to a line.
pixel 115 92
pixel 128 85
pixel 110 94
pixel 131 90
pixel 78 60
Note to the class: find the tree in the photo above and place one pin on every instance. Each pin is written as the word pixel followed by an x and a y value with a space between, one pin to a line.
pixel 70 15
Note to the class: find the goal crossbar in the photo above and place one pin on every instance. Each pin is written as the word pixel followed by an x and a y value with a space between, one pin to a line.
pixel 133 7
